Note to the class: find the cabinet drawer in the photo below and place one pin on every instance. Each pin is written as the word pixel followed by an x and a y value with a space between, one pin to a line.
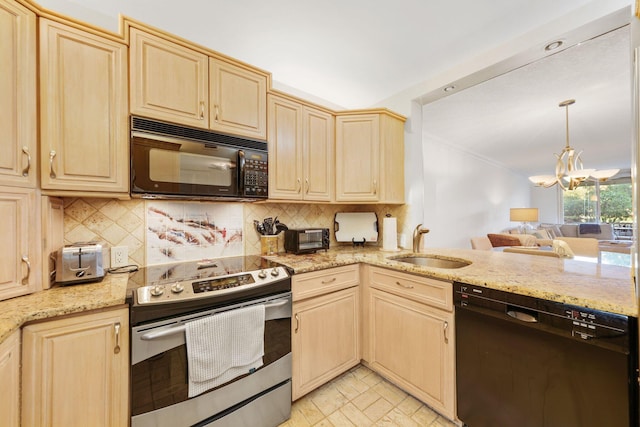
pixel 321 282
pixel 436 293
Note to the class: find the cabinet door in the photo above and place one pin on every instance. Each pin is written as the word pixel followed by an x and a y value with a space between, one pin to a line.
pixel 75 371
pixel 324 339
pixel 10 380
pixel 357 158
pixel 84 126
pixel 285 149
pixel 392 160
pixel 317 154
pixel 168 81
pixel 425 365
pixel 18 122
pixel 238 100
pixel 19 258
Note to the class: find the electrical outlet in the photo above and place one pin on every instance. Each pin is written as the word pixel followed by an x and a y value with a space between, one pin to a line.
pixel 119 256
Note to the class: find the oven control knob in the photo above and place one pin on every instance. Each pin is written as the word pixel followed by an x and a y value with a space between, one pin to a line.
pixel 176 288
pixel 275 272
pixel 262 274
pixel 157 290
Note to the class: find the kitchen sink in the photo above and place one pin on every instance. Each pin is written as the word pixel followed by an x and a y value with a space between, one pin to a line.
pixel 431 261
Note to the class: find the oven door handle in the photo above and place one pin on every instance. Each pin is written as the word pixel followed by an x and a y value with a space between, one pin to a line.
pixel 148 336
pixel 277 303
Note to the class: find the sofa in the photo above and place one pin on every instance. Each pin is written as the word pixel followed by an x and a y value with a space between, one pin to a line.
pixel 596 231
pixel 546 233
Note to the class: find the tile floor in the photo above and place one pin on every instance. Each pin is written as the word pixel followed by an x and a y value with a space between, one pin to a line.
pixel 362 398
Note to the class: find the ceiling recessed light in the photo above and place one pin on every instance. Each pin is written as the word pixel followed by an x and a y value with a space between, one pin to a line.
pixel 449 88
pixel 553 45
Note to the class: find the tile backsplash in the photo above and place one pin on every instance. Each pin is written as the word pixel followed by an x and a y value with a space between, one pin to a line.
pixel 157 232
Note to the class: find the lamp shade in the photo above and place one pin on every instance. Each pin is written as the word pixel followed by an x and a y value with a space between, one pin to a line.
pixel 523 214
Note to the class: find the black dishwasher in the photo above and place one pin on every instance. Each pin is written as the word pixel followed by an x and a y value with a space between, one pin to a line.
pixel 528 362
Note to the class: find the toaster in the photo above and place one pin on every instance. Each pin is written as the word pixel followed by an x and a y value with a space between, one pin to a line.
pixel 79 263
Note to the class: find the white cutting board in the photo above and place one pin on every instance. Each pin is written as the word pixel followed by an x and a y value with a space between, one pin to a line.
pixel 354 226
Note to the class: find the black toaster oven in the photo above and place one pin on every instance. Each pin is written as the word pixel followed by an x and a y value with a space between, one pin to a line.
pixel 306 240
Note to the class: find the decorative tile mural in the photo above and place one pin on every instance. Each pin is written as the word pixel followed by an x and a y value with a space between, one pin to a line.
pixel 165 231
pixel 182 231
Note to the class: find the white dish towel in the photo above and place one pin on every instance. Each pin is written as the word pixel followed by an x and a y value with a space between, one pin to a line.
pixel 224 346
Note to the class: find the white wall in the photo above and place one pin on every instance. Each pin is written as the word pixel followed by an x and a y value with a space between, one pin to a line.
pixel 549 204
pixel 465 195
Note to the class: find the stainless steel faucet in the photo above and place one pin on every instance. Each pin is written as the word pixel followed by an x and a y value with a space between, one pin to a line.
pixel 417 236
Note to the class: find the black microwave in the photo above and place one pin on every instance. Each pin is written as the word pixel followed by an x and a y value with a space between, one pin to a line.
pixel 172 161
pixel 306 240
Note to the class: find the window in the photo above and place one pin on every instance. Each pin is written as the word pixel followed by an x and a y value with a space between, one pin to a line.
pixel 608 201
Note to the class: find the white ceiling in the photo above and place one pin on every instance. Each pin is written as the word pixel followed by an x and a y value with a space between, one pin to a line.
pixel 352 53
pixel 357 53
pixel 514 119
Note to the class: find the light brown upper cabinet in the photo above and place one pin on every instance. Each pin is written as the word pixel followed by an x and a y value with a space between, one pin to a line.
pixel 173 82
pixel 84 112
pixel 168 81
pixel 18 122
pixel 300 151
pixel 370 157
pixel 238 100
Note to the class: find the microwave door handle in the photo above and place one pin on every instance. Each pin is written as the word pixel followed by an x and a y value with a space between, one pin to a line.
pixel 241 168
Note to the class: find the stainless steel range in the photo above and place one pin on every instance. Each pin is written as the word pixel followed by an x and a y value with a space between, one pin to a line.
pixel 164 300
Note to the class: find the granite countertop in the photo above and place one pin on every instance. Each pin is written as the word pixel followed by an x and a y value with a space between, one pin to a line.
pixel 599 286
pixel 61 300
pixel 587 284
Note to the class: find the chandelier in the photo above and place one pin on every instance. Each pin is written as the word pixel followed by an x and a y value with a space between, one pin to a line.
pixel 570 172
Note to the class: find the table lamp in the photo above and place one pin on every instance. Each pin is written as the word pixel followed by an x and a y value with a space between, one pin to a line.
pixel 525 216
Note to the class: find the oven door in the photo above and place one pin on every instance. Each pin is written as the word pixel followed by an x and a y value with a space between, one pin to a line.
pixel 174 167
pixel 159 375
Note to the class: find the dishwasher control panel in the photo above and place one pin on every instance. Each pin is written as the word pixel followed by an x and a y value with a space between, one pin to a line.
pixel 578 322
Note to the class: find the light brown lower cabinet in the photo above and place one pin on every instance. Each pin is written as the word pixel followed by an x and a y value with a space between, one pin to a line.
pixel 325 329
pixel 10 380
pixel 75 371
pixel 410 335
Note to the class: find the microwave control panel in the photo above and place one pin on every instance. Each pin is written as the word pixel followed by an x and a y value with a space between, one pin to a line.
pixel 256 178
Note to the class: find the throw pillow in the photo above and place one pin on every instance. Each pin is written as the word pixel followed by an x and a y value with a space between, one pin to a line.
pixel 569 230
pixel 498 240
pixel 542 234
pixel 552 229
